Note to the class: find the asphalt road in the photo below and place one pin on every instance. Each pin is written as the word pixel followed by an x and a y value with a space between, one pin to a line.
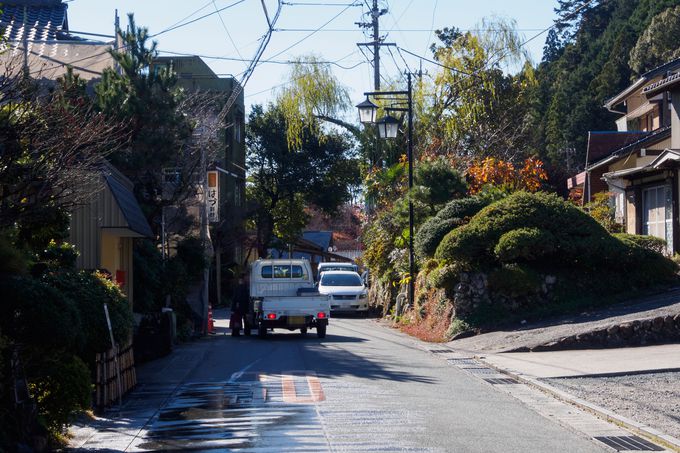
pixel 363 388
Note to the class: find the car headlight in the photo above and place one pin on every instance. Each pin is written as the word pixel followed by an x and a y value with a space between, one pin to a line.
pixel 363 295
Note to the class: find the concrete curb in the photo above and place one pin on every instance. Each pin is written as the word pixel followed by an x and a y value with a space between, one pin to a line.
pixel 652 434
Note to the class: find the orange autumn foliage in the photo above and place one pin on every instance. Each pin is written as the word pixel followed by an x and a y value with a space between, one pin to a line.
pixel 499 173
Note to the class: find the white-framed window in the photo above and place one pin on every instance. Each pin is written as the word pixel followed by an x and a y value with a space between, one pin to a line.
pixel 657 212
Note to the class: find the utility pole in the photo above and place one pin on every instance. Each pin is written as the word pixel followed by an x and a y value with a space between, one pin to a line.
pixel 374 24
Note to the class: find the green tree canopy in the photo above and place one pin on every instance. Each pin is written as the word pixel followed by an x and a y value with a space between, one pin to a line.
pixel 282 181
pixel 658 44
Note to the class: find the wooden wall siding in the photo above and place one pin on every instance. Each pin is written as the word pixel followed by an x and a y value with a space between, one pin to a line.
pixel 126 260
pixel 112 216
pixel 85 234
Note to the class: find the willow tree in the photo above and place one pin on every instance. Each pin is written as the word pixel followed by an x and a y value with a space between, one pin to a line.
pixel 312 96
pixel 473 106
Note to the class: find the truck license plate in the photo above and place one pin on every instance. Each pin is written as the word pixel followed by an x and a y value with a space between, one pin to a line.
pixel 296 320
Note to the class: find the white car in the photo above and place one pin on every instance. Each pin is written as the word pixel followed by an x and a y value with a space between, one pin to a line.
pixel 347 291
pixel 335 266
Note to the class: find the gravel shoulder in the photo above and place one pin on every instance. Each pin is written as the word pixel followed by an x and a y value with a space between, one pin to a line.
pixel 540 333
pixel 652 399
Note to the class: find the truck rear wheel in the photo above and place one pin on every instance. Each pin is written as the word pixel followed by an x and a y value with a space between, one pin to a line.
pixel 261 330
pixel 321 331
pixel 303 331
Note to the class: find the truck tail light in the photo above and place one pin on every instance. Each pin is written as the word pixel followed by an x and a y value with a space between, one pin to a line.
pixel 271 316
pixel 321 315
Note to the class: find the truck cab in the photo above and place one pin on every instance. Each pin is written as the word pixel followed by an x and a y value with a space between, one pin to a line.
pixel 285 297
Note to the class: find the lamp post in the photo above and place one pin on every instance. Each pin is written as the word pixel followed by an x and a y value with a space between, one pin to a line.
pixel 388 127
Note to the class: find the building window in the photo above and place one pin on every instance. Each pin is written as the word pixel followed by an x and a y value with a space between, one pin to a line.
pixel 237 194
pixel 237 130
pixel 657 215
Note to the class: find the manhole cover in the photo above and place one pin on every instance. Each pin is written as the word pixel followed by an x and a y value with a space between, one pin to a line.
pixel 628 443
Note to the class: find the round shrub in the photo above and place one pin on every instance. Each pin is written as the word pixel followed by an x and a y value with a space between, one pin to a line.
pixel 61 391
pixel 579 239
pixel 431 233
pixel 37 315
pixel 462 208
pixel 652 243
pixel 91 291
pixel 524 244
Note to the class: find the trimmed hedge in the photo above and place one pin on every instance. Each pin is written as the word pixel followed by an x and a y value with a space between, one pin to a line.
pixel 652 243
pixel 524 244
pixel 544 230
pixel 90 292
pixel 454 214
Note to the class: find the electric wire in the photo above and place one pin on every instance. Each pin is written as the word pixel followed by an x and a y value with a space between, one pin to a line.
pixel 184 24
pixel 226 30
pixel 434 14
pixel 311 34
pixel 281 62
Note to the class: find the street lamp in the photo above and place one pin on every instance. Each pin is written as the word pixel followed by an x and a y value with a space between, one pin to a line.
pixel 388 127
pixel 367 111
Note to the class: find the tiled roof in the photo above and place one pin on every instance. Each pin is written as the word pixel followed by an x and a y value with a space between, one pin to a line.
pixel 604 143
pixel 654 137
pixel 661 85
pixel 44 21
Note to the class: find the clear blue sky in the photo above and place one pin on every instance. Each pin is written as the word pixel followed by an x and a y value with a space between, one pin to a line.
pixel 234 33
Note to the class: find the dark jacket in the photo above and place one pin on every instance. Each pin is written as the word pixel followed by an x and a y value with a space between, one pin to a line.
pixel 241 299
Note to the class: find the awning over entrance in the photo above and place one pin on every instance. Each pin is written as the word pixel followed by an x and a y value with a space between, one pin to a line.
pixel 123 216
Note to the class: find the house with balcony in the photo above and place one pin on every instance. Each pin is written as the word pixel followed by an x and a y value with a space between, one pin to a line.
pixel 639 164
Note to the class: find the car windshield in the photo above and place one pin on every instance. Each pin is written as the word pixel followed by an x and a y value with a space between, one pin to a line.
pixel 328 279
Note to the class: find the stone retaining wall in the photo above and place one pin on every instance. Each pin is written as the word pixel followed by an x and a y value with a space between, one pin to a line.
pixel 641 332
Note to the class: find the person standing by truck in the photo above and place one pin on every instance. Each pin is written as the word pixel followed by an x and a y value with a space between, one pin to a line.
pixel 240 307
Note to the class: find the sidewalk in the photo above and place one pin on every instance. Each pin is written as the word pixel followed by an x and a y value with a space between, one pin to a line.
pixel 589 362
pixel 637 388
pixel 117 428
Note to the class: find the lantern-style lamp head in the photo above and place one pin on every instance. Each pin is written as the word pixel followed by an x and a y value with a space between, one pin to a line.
pixel 367 111
pixel 388 126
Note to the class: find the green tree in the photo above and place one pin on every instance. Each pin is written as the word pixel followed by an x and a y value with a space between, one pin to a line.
pixel 658 43
pixel 283 180
pixel 472 107
pixel 151 106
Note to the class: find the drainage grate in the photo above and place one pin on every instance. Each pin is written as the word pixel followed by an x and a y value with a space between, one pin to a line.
pixel 440 351
pixel 462 362
pixel 500 381
pixel 628 443
pixel 481 370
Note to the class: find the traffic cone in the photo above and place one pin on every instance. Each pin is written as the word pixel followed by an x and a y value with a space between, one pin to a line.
pixel 211 321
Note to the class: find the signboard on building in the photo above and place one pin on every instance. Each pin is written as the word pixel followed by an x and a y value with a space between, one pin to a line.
pixel 213 197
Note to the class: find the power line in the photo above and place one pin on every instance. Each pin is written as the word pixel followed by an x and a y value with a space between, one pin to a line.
pixel 315 31
pixel 436 62
pixel 226 30
pixel 192 14
pixel 171 28
pixel 322 4
pixel 184 24
pixel 282 62
pixel 434 13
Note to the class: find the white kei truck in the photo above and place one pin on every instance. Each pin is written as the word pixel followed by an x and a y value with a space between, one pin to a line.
pixel 284 296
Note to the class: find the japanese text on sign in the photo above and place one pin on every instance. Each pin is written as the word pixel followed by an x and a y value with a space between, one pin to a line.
pixel 213 197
